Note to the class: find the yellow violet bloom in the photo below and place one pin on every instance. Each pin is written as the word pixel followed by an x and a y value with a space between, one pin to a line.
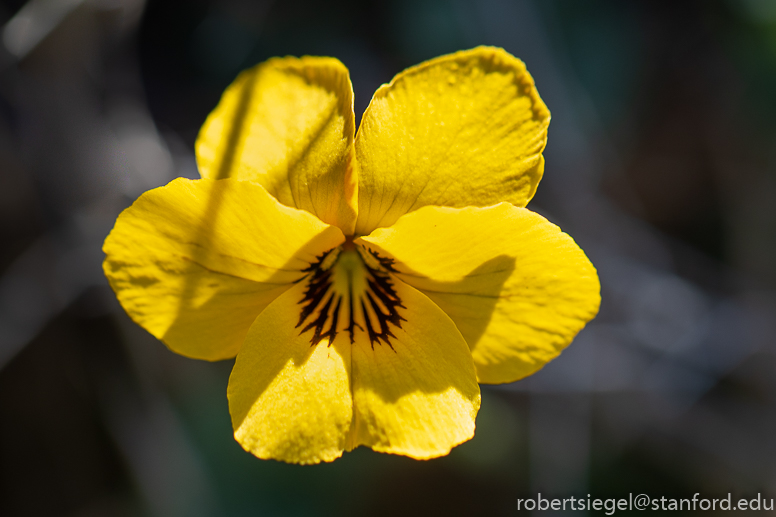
pixel 365 283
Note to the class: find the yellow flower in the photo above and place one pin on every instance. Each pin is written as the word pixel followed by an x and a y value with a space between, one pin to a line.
pixel 365 283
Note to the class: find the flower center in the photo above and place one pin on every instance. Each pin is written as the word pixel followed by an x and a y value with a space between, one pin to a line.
pixel 350 288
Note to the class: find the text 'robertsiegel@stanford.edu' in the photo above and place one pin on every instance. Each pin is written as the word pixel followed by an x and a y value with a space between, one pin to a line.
pixel 645 502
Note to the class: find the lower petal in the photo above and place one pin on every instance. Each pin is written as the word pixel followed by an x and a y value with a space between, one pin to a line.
pixel 290 401
pixel 417 393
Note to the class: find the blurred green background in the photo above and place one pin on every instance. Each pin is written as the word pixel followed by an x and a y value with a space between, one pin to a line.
pixel 661 163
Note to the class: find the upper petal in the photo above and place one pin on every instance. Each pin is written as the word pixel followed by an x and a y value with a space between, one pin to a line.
pixel 517 288
pixel 195 262
pixel 416 393
pixel 288 124
pixel 466 129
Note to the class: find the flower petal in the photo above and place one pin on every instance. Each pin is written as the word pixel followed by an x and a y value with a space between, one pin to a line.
pixel 288 125
pixel 290 401
pixel 195 262
pixel 466 129
pixel 419 396
pixel 518 288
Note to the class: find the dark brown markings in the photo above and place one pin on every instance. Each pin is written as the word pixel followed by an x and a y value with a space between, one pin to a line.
pixel 379 300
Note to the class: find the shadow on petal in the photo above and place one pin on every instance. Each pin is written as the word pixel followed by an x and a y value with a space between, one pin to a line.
pixel 232 301
pixel 470 301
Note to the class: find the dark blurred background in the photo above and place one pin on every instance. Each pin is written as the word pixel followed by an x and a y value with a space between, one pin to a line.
pixel 661 163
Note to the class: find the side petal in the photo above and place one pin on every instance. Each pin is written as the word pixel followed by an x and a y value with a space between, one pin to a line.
pixel 417 396
pixel 288 125
pixel 195 262
pixel 517 288
pixel 289 400
pixel 466 129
